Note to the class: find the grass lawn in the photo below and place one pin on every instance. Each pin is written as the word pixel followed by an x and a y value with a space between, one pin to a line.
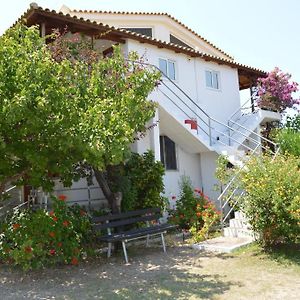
pixel 182 273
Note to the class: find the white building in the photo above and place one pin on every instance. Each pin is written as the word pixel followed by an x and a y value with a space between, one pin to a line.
pixel 199 114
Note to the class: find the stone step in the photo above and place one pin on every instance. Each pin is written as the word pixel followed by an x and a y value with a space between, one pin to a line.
pixel 238 232
pixel 222 244
pixel 240 216
pixel 238 223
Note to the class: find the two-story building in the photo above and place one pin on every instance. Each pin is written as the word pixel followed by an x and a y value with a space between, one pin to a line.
pixel 199 112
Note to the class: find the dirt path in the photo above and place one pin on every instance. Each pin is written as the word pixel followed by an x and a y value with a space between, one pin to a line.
pixel 182 273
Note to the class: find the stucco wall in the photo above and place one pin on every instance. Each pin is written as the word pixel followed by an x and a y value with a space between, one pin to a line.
pixel 208 168
pixel 219 104
pixel 82 194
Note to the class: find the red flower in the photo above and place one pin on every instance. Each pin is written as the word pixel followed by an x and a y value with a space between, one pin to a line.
pixel 52 234
pixel 51 213
pixel 52 251
pixel 74 261
pixel 65 223
pixel 173 197
pixel 198 214
pixel 16 226
pixel 54 219
pixel 28 249
pixel 62 197
pixel 59 244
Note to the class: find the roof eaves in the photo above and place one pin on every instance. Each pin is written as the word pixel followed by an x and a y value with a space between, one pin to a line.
pixel 128 34
pixel 157 14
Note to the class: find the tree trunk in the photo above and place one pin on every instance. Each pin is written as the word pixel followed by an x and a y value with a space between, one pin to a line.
pixel 113 199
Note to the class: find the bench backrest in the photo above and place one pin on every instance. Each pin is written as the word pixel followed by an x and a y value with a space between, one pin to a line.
pixel 122 219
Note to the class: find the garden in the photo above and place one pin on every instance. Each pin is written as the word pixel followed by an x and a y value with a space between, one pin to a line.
pixel 43 134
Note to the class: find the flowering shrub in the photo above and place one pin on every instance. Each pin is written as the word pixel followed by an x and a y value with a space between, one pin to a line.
pixel 194 211
pixel 36 239
pixel 272 200
pixel 275 91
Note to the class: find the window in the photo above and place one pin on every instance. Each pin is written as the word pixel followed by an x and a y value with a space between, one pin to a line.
pixel 168 68
pixel 212 79
pixel 144 31
pixel 168 153
pixel 175 40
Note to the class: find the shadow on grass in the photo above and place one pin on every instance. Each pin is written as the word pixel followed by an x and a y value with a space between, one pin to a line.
pixel 286 254
pixel 283 254
pixel 151 274
pixel 178 284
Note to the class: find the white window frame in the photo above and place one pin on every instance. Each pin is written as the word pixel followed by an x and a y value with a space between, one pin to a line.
pixel 213 72
pixel 175 67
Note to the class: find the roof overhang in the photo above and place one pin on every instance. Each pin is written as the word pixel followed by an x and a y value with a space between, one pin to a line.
pixel 52 19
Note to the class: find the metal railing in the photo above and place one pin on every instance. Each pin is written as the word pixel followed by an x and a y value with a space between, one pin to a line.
pixel 209 125
pixel 239 112
pixel 10 204
pixel 213 132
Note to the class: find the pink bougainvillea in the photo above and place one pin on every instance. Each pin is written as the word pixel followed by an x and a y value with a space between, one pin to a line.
pixel 275 91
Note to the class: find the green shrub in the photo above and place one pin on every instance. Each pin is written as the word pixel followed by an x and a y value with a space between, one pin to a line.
pixel 272 201
pixel 288 137
pixel 37 239
pixel 194 211
pixel 142 184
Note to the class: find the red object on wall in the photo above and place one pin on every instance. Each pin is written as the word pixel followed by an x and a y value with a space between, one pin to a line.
pixel 193 124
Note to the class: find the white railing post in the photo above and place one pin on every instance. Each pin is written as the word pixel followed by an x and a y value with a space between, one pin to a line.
pixel 209 132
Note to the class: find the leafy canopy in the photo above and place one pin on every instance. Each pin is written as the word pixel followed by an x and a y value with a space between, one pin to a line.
pixel 55 113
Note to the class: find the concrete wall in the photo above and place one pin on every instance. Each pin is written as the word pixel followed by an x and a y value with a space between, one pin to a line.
pixel 208 168
pixel 82 194
pixel 188 165
pixel 219 104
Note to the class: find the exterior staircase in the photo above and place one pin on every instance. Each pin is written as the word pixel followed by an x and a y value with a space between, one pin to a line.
pixel 238 140
pixel 239 227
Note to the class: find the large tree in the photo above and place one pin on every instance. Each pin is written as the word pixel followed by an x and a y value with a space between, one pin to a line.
pixel 58 108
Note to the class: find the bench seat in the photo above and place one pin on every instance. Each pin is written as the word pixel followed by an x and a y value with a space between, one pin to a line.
pixel 115 224
pixel 136 233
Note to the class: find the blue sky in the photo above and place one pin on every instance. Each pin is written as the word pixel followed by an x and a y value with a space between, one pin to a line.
pixel 259 33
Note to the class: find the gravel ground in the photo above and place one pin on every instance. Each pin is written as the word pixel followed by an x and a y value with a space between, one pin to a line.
pixel 181 273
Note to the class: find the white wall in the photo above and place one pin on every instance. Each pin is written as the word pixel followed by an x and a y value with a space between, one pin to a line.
pixel 208 169
pixel 219 104
pixel 82 194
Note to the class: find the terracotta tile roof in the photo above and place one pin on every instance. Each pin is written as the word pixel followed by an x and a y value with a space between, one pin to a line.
pixel 156 14
pixel 135 36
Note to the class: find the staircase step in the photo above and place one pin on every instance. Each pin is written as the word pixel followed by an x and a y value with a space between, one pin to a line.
pixel 238 215
pixel 239 232
pixel 238 223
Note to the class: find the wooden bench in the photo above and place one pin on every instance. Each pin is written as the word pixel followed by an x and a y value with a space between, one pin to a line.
pixel 125 227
